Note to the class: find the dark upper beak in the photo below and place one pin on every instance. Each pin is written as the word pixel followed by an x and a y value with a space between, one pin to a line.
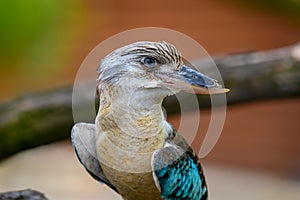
pixel 190 80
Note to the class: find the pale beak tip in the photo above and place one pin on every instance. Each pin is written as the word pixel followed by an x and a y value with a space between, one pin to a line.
pixel 226 90
pixel 218 90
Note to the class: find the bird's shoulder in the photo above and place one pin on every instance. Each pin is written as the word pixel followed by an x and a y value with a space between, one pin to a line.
pixel 177 171
pixel 83 141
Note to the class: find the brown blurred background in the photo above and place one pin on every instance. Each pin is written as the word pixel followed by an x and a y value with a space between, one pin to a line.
pixel 42 44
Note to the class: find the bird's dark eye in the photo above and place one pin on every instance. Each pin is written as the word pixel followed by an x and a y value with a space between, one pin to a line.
pixel 149 62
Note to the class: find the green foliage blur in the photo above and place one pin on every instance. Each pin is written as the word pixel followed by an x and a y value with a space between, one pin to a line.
pixel 24 22
pixel 34 38
pixel 27 22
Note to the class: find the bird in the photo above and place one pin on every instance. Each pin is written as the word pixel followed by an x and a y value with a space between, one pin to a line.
pixel 131 147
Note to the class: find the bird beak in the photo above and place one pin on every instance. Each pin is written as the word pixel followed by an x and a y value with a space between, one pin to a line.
pixel 192 81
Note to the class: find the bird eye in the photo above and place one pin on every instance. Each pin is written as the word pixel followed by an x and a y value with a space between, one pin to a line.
pixel 149 62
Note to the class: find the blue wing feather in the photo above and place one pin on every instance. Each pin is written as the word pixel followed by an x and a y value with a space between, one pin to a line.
pixel 180 180
pixel 177 171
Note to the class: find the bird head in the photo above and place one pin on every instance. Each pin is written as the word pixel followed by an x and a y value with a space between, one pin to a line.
pixel 154 65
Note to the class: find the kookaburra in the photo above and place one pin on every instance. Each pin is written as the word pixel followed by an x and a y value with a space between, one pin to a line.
pixel 131 147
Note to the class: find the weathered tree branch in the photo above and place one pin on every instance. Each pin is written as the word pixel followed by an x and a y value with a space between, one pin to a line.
pixel 34 120
pixel 42 118
pixel 269 74
pixel 254 75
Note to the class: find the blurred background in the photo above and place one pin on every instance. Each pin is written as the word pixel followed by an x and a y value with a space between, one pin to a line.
pixel 42 44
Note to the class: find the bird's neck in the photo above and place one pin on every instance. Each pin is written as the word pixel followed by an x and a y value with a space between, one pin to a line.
pixel 132 118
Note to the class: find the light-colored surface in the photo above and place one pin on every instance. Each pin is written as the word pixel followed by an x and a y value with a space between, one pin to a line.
pixel 54 170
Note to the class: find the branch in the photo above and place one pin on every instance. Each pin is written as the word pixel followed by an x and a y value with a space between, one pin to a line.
pixel 34 120
pixel 42 118
pixel 254 75
pixel 269 74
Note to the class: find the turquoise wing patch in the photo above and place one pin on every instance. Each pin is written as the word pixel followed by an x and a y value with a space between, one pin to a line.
pixel 177 176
